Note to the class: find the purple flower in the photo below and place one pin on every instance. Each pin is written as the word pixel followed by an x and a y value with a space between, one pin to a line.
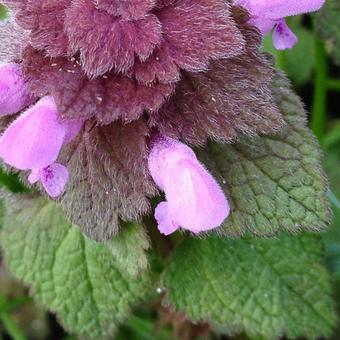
pixel 33 142
pixel 14 95
pixel 268 15
pixel 194 200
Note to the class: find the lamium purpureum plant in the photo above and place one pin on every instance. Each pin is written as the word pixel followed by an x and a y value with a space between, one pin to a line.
pixel 115 111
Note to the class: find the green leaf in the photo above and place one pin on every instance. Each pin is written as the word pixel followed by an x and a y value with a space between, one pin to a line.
pixel 11 182
pixel 77 278
pixel 273 182
pixel 129 249
pixel 328 24
pixel 2 212
pixel 262 287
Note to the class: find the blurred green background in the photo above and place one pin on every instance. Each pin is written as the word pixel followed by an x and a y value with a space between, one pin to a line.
pixel 316 78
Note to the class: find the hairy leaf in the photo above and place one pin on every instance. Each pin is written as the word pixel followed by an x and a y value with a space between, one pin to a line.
pixel 130 9
pixel 44 19
pixel 273 182
pixel 109 178
pixel 74 277
pixel 265 288
pixel 129 249
pixel 12 40
pixel 99 51
pixel 108 98
pixel 233 96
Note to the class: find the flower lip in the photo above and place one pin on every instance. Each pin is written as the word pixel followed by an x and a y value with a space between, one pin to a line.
pixel 283 37
pixel 53 178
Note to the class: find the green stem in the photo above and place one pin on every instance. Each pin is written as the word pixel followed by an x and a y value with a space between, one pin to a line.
pixel 11 328
pixel 332 137
pixel 145 329
pixel 319 111
pixel 142 327
pixel 5 317
pixel 280 60
pixel 333 85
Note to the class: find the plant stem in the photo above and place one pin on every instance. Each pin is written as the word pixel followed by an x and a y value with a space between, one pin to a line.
pixel 319 110
pixel 6 319
pixel 280 60
pixel 333 84
pixel 11 328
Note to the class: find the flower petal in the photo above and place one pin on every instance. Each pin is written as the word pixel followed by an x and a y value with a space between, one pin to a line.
pixel 166 225
pixel 35 138
pixel 14 95
pixel 277 9
pixel 165 153
pixel 195 201
pixel 283 37
pixel 54 179
pixel 264 25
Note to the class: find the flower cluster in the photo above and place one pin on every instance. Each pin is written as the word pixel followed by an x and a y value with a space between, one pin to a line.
pixel 112 90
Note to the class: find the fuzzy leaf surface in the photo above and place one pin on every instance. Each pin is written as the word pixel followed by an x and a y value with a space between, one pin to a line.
pixel 265 288
pixel 129 249
pixel 273 182
pixel 109 180
pixel 74 277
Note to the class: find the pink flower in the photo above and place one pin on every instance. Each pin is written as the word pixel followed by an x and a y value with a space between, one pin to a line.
pixel 194 200
pixel 14 94
pixel 33 142
pixel 269 16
